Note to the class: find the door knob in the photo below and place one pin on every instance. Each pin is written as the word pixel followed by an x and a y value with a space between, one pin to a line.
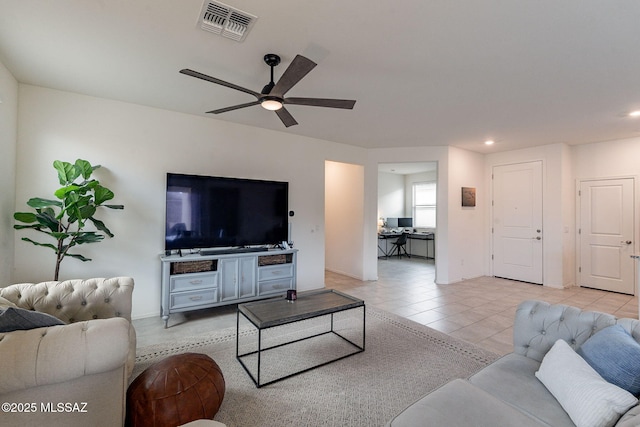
pixel 626 242
pixel 536 238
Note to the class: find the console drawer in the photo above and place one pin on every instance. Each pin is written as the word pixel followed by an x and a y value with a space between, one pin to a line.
pixel 193 298
pixel 190 282
pixel 275 286
pixel 275 271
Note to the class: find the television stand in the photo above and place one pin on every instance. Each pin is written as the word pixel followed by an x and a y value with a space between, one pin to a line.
pixel 198 281
pixel 223 251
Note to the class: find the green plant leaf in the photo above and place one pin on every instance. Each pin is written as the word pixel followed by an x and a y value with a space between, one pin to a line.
pixel 27 217
pixel 85 200
pixel 71 208
pixel 85 168
pixel 100 226
pixel 78 256
pixel 87 211
pixel 48 221
pixel 67 173
pixel 73 216
pixel 62 192
pixel 60 235
pixel 102 194
pixel 24 227
pixel 46 245
pixel 88 237
pixel 38 202
pixel 47 211
pixel 71 199
pixel 90 185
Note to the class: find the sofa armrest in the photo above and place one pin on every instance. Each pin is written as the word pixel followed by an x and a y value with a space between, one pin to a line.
pixel 57 354
pixel 630 419
pixel 75 300
pixel 538 325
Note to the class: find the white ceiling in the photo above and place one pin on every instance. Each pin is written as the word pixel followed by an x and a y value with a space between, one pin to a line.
pixel 407 168
pixel 423 72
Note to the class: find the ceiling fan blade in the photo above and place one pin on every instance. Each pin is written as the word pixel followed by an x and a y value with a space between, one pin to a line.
pixel 286 117
pixel 218 81
pixel 299 67
pixel 322 102
pixel 234 107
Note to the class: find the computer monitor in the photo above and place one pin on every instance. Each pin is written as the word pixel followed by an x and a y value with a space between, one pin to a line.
pixel 405 222
pixel 392 223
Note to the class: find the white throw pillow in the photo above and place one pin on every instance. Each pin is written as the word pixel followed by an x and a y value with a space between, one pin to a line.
pixel 589 400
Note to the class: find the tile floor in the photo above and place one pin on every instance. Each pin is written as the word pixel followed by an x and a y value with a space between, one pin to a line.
pixel 479 310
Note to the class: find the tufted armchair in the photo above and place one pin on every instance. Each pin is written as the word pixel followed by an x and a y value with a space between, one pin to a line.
pixel 87 360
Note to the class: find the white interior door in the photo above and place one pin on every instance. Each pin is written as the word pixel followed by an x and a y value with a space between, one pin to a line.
pixel 517 221
pixel 606 235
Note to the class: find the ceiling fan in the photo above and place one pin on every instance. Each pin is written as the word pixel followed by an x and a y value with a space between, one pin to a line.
pixel 272 95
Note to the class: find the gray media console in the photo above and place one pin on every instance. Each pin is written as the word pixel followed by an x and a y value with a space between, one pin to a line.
pixel 196 281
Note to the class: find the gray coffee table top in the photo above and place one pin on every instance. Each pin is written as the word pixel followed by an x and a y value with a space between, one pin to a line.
pixel 275 312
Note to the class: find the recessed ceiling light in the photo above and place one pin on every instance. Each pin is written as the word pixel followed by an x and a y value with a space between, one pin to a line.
pixel 489 142
pixel 634 113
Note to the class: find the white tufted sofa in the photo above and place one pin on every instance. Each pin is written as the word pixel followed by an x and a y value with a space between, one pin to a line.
pixel 507 392
pixel 88 360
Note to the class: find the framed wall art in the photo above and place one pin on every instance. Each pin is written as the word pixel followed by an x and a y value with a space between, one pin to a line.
pixel 468 196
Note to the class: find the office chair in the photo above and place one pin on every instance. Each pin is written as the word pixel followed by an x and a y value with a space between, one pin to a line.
pixel 400 246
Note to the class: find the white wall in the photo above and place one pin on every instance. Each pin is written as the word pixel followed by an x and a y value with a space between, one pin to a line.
pixel 8 138
pixel 137 145
pixel 344 218
pixel 466 233
pixel 391 195
pixel 607 159
pixel 568 204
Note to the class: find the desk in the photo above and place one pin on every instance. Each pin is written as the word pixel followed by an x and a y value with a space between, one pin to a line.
pixel 385 237
pixel 414 244
pixel 429 244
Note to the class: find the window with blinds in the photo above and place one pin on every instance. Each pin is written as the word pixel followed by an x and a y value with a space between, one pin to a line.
pixel 424 204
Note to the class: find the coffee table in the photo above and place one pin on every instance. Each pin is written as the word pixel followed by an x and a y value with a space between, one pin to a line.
pixel 277 312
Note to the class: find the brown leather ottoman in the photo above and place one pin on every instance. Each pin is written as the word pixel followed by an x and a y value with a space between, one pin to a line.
pixel 177 390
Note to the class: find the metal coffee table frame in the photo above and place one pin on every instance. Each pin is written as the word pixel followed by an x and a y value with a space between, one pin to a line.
pixel 277 312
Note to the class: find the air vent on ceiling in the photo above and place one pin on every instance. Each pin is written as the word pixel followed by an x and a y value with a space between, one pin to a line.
pixel 225 20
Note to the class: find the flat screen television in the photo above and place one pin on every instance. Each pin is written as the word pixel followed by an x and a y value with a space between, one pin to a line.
pixel 214 212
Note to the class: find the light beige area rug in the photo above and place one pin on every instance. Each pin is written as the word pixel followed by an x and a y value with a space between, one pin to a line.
pixel 403 361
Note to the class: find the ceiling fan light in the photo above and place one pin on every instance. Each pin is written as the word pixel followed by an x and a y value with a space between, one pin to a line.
pixel 271 104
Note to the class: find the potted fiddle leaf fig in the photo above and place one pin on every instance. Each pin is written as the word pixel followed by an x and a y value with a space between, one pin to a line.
pixel 65 218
